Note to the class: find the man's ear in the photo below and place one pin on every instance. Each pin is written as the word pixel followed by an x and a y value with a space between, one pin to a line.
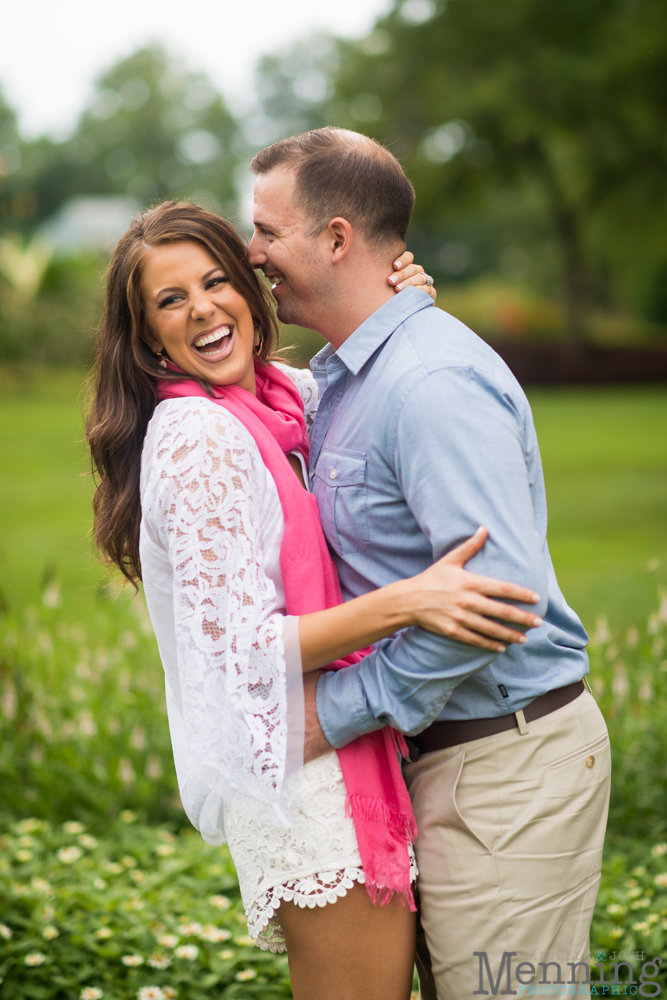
pixel 341 237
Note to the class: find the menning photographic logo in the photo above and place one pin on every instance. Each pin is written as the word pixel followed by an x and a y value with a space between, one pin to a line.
pixel 546 978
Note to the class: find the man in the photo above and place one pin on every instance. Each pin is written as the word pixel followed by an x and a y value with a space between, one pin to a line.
pixel 423 434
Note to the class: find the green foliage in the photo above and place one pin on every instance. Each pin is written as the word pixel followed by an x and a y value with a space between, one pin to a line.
pixel 49 307
pixel 83 724
pixel 631 914
pixel 524 126
pixel 629 680
pixel 121 907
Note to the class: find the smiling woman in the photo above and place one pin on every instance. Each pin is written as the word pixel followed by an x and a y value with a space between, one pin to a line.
pixel 197 317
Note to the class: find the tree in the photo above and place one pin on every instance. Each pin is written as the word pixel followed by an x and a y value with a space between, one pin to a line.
pixel 552 116
pixel 153 130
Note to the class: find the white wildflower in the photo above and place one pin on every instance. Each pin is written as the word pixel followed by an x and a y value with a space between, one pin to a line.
pixel 169 992
pixel 616 909
pixel 40 885
pixel 642 927
pixel 132 960
pixel 214 934
pixel 220 902
pixel 68 855
pixel 22 856
pixel 164 850
pixel 188 951
pixel 35 958
pixel 226 954
pixel 6 932
pixel 91 993
pixel 73 828
pixel 50 932
pixel 150 993
pixel 87 841
pixel 103 933
pixel 658 850
pixel 661 880
pixel 244 975
pixel 127 816
pixel 159 960
pixel 190 930
pixel 138 876
pixel 99 883
pixel 129 861
pixel 168 940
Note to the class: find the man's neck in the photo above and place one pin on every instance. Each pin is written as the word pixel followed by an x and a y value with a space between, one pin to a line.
pixel 340 320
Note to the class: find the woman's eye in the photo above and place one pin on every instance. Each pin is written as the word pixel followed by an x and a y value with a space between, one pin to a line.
pixel 216 281
pixel 168 301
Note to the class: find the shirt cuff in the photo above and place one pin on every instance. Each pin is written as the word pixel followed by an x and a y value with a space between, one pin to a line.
pixel 342 707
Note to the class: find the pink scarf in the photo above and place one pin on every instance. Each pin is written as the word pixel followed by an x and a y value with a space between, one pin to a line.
pixel 377 799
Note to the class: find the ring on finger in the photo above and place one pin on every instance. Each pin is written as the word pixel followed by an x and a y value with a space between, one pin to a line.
pixel 428 280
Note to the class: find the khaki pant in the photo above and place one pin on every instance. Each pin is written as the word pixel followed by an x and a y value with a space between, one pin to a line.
pixel 511 830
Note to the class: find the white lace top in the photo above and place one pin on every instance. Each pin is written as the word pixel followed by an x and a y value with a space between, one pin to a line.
pixel 210 539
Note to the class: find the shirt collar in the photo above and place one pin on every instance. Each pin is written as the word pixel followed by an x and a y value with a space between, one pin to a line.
pixel 360 345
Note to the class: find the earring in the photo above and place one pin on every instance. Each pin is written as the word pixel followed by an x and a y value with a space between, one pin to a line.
pixel 258 334
pixel 163 360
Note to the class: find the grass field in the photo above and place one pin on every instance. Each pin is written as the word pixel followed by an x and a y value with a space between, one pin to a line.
pixel 604 453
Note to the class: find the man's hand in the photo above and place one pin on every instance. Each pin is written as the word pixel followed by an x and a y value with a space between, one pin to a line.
pixel 315 743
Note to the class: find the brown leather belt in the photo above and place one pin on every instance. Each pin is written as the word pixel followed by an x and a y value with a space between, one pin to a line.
pixel 442 735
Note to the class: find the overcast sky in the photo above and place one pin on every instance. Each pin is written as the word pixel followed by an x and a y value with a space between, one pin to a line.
pixel 52 50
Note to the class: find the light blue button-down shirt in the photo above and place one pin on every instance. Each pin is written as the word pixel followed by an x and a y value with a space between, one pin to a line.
pixel 423 434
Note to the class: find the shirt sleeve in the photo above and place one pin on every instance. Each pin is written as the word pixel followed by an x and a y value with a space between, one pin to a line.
pixel 204 507
pixel 461 461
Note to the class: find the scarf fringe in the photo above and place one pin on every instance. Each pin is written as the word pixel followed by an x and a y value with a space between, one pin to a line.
pixel 381 895
pixel 371 809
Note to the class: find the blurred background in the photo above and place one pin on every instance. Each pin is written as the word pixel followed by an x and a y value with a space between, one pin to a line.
pixel 536 138
pixel 535 134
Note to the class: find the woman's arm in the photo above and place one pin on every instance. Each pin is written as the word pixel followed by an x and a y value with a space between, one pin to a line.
pixel 445 599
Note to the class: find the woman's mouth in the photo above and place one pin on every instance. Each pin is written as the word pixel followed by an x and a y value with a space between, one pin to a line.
pixel 216 344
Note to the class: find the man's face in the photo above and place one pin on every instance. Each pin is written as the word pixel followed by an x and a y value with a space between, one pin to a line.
pixel 294 262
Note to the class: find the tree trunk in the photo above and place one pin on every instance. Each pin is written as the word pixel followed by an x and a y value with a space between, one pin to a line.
pixel 576 277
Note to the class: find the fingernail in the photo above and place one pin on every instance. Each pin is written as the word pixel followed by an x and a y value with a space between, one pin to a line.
pixel 394 279
pixel 501 649
pixel 398 263
pixel 537 622
pixel 523 640
pixel 536 598
pixel 399 288
pixel 479 529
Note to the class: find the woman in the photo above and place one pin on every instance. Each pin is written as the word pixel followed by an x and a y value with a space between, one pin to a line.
pixel 200 445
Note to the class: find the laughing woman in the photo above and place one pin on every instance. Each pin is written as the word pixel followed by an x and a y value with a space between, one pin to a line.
pixel 199 442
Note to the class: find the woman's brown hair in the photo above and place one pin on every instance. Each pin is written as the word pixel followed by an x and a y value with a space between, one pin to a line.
pixel 126 369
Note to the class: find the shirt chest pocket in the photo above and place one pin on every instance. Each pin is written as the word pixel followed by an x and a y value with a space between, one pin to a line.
pixel 342 495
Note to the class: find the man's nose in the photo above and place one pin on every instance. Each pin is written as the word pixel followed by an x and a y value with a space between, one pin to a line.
pixel 256 253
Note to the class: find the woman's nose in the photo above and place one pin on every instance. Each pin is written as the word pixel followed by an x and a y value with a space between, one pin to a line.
pixel 202 307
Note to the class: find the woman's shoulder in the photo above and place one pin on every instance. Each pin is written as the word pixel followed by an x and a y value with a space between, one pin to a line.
pixel 304 381
pixel 190 431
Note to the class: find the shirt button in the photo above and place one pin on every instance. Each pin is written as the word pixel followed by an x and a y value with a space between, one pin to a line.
pixel 590 761
pixel 311 473
pixel 333 474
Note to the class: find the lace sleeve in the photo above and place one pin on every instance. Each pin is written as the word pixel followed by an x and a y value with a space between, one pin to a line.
pixel 203 502
pixel 304 381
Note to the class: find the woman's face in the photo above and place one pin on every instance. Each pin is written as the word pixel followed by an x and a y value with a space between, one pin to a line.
pixel 196 317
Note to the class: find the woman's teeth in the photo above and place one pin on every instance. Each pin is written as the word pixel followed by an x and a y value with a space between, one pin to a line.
pixel 214 338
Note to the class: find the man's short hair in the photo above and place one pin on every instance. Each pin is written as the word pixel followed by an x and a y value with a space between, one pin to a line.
pixel 343 173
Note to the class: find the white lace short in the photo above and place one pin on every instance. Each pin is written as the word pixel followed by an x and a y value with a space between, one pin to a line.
pixel 311 864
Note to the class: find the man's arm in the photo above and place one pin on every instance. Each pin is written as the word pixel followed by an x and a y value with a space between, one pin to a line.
pixel 459 456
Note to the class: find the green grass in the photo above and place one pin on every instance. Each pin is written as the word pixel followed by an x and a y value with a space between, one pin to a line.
pixel 605 460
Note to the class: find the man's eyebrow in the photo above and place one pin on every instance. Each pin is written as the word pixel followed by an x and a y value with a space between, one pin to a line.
pixel 263 227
